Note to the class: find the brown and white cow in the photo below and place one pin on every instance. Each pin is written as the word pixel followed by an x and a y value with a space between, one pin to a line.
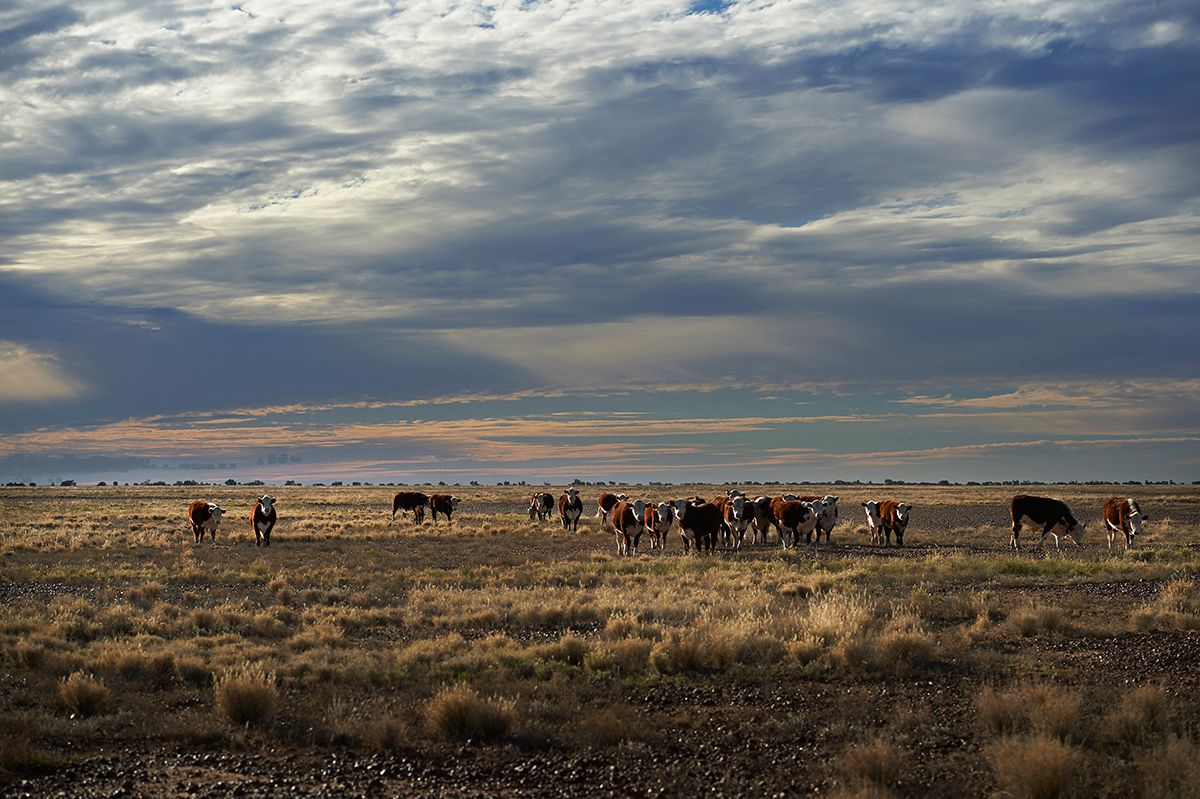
pixel 442 503
pixel 829 516
pixel 796 518
pixel 204 517
pixel 764 519
pixel 413 501
pixel 885 519
pixel 541 505
pixel 1122 515
pixel 627 519
pixel 262 519
pixel 604 505
pixel 699 524
pixel 738 513
pixel 1053 515
pixel 656 520
pixel 570 508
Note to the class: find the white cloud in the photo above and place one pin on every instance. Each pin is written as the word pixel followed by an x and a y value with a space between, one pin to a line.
pixel 29 377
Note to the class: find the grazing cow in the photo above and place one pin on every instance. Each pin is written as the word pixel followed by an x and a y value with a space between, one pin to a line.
pixel 262 519
pixel 442 503
pixel 829 516
pixel 204 516
pixel 1123 516
pixel 604 505
pixel 541 505
pixel 738 514
pixel 764 518
pixel 627 519
pixel 698 524
pixel 413 501
pixel 657 521
pixel 1051 514
pixel 570 508
pixel 885 519
pixel 796 518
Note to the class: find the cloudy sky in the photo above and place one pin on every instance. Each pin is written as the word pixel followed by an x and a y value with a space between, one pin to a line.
pixel 646 239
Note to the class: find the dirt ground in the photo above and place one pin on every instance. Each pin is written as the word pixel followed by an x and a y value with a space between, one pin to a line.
pixel 762 672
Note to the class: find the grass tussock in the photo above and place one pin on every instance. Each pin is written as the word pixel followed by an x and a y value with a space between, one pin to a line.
pixel 1172 771
pixel 1036 767
pixel 1035 620
pixel 1047 710
pixel 459 713
pixel 246 695
pixel 1177 607
pixel 83 695
pixel 1143 715
pixel 876 762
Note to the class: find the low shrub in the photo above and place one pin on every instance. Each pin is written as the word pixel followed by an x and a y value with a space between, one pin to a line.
pixel 1037 767
pixel 83 695
pixel 459 713
pixel 246 696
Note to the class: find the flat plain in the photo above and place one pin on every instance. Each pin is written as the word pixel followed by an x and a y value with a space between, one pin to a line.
pixel 498 656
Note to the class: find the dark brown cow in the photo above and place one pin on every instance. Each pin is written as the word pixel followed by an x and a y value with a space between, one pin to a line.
pixel 764 518
pixel 796 518
pixel 657 521
pixel 627 525
pixel 699 524
pixel 541 505
pixel 262 519
pixel 604 505
pixel 570 508
pixel 1122 515
pixel 413 501
pixel 1051 514
pixel 204 516
pixel 442 503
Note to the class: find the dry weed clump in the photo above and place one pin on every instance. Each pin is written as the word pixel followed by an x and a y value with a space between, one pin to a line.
pixel 144 596
pixel 1143 715
pixel 1044 709
pixel 1177 607
pixel 1172 771
pixel 459 713
pixel 1037 620
pixel 569 649
pixel 83 695
pixel 876 762
pixel 191 671
pixel 246 695
pixel 1037 767
pixel 837 616
pixel 623 657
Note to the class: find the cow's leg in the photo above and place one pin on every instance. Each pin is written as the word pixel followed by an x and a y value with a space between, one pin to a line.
pixel 1045 531
pixel 899 536
pixel 257 536
pixel 1016 535
pixel 1112 537
pixel 1128 540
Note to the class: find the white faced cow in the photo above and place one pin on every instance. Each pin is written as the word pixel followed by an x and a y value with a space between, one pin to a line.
pixel 699 524
pixel 627 522
pixel 262 519
pixel 1122 515
pixel 829 515
pixel 738 513
pixel 885 519
pixel 657 521
pixel 570 508
pixel 204 516
pixel 541 505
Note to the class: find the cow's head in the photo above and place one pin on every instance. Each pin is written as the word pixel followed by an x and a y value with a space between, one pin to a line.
pixel 830 505
pixel 267 503
pixel 738 507
pixel 639 509
pixel 902 512
pixel 572 493
pixel 1073 531
pixel 789 497
pixel 454 502
pixel 872 509
pixel 733 492
pixel 622 497
pixel 1136 517
pixel 215 511
pixel 680 507
pixel 664 513
pixel 817 506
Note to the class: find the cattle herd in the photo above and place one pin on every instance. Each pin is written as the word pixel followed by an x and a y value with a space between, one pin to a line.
pixel 701 522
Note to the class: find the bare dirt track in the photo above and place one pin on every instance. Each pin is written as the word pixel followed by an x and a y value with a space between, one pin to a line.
pixel 761 672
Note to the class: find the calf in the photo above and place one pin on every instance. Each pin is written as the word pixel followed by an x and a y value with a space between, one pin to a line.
pixel 540 505
pixel 262 519
pixel 413 501
pixel 570 508
pixel 796 518
pixel 885 519
pixel 1051 514
pixel 442 503
pixel 604 505
pixel 1123 516
pixel 657 522
pixel 627 518
pixel 738 514
pixel 829 516
pixel 204 516
pixel 698 524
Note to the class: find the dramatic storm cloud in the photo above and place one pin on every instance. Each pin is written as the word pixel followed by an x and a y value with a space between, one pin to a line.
pixel 651 240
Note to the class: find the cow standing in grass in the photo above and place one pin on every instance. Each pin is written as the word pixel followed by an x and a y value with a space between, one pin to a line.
pixel 699 524
pixel 442 503
pixel 887 518
pixel 540 506
pixel 1053 515
pixel 413 501
pixel 1122 515
pixel 764 519
pixel 657 521
pixel 738 515
pixel 796 519
pixel 204 517
pixel 604 505
pixel 570 508
pixel 829 515
pixel 262 519
pixel 627 520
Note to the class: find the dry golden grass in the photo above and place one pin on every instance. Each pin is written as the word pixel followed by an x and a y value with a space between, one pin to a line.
pixel 1171 771
pixel 246 696
pixel 1047 710
pixel 1037 767
pixel 1144 714
pixel 876 762
pixel 83 695
pixel 459 713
